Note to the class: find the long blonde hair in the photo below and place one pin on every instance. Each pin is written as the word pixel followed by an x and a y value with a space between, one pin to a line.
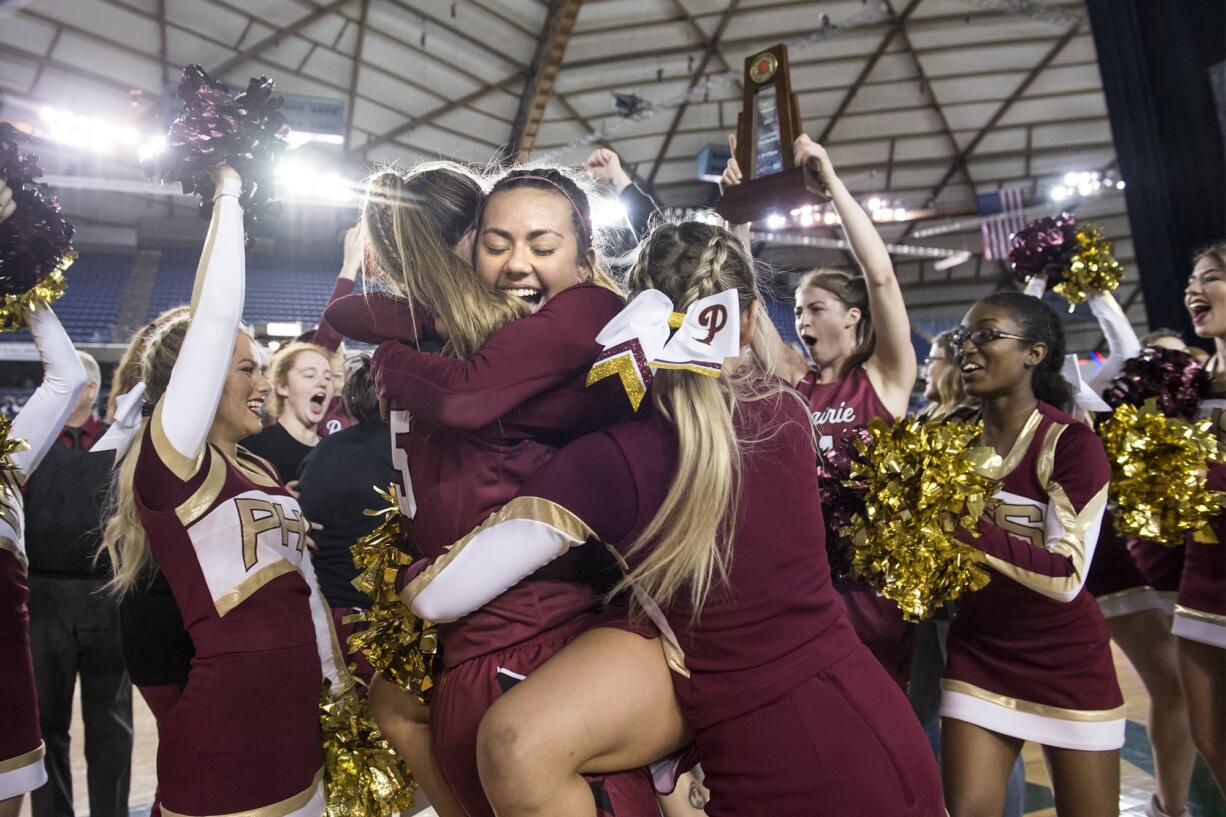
pixel 413 221
pixel 951 391
pixel 688 541
pixel 124 539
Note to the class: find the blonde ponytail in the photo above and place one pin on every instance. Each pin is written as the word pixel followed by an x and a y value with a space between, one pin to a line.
pixel 124 539
pixel 687 542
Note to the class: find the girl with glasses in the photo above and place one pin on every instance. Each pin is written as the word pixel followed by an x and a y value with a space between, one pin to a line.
pixel 1029 654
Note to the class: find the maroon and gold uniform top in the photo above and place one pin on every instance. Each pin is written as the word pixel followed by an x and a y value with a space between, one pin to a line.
pixel 467 433
pixel 836 408
pixel 1029 654
pixel 1200 610
pixel 771 657
pixel 231 542
pixel 841 405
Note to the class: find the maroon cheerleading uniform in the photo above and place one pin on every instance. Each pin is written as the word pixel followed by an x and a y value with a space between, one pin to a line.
pixel 21 742
pixel 836 408
pixel 789 708
pixel 1200 610
pixel 231 542
pixel 1029 654
pixel 38 425
pixel 466 434
pixel 1115 579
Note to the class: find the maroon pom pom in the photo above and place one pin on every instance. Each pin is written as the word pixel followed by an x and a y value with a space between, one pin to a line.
pixel 35 240
pixel 246 132
pixel 840 501
pixel 1044 247
pixel 1170 376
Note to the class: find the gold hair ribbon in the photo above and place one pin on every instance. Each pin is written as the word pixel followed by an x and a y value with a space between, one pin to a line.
pixel 675 319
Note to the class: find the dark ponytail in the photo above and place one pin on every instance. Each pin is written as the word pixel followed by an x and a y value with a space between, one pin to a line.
pixel 1040 323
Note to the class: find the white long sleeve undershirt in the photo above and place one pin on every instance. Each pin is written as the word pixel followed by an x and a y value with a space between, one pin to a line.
pixel 45 413
pixel 190 402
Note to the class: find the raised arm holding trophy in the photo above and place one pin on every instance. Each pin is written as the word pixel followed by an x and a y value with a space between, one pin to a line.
pixel 767 129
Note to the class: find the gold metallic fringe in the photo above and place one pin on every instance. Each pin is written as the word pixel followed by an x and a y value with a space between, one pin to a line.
pixel 1092 268
pixel 1158 473
pixel 402 647
pixel 363 775
pixel 921 488
pixel 8 445
pixel 13 307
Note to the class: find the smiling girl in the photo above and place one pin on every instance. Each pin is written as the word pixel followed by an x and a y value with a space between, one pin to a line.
pixel 1200 611
pixel 232 544
pixel 1029 655
pixel 470 426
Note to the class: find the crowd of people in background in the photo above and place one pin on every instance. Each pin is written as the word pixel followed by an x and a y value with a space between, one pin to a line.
pixel 611 481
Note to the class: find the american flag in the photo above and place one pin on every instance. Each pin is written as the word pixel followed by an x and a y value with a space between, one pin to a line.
pixel 1004 211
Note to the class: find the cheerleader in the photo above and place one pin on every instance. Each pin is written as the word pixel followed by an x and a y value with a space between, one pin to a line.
pixel 480 424
pixel 231 542
pixel 1029 655
pixel 856 331
pixel 709 499
pixel 1132 583
pixel 38 425
pixel 1200 611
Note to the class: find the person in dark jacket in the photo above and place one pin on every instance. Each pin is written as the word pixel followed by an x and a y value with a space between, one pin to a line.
pixel 336 485
pixel 74 625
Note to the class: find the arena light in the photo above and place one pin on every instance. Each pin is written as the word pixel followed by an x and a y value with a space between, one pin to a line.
pixel 283 329
pixel 608 213
pixel 152 147
pixel 298 138
pixel 80 131
pixel 1082 184
pixel 299 180
pixel 774 221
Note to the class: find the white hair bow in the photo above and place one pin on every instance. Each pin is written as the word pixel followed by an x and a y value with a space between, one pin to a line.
pixel 637 340
pixel 119 436
pixel 1084 396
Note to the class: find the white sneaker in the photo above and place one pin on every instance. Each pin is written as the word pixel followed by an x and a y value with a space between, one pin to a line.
pixel 1152 809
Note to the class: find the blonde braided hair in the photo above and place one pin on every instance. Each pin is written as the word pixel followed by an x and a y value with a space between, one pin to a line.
pixel 687 542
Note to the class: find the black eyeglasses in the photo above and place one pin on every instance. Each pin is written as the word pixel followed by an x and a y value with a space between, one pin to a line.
pixel 980 337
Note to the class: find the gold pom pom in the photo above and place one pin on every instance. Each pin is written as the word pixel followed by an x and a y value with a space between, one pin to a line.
pixel 363 775
pixel 13 307
pixel 8 445
pixel 401 646
pixel 1091 268
pixel 1158 473
pixel 921 487
pixel 378 555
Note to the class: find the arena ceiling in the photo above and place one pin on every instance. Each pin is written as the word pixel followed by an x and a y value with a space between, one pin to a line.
pixel 923 103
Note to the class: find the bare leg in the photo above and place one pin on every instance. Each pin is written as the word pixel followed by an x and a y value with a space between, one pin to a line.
pixel 603 704
pixel 975 767
pixel 1146 639
pixel 1202 670
pixel 1085 784
pixel 687 800
pixel 11 807
pixel 405 723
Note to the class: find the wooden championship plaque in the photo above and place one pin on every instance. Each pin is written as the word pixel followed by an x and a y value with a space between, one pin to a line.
pixel 766 127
